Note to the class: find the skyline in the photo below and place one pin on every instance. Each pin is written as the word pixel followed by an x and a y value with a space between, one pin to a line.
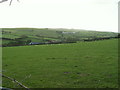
pixel 99 15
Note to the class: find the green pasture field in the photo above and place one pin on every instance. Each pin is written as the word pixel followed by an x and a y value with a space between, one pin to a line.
pixel 43 34
pixel 78 65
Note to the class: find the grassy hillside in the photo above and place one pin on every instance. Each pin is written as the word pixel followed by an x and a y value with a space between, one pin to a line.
pixel 77 65
pixel 27 35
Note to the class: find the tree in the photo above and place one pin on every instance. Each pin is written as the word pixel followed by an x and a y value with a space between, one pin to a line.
pixel 3 1
pixel 23 36
pixel 7 0
pixel 61 35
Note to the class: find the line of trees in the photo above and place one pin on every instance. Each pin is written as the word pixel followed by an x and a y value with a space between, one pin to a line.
pixel 17 43
pixel 101 38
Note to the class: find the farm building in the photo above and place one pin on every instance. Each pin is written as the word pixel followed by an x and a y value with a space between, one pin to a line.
pixel 35 43
pixel 68 32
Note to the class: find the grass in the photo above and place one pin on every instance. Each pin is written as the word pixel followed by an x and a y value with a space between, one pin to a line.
pixel 39 35
pixel 78 65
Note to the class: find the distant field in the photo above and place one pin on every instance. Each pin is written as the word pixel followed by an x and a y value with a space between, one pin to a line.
pixel 79 65
pixel 23 36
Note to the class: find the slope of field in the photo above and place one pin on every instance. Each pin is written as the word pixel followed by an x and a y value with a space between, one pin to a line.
pixel 27 35
pixel 78 65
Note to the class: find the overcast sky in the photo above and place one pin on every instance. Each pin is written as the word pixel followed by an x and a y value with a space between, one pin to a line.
pixel 99 15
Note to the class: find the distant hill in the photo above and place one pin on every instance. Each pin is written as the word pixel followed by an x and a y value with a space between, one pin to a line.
pixel 27 35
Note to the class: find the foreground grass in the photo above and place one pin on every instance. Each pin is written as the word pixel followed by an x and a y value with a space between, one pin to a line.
pixel 79 65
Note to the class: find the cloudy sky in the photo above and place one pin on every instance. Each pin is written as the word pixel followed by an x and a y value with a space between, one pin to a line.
pixel 101 15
